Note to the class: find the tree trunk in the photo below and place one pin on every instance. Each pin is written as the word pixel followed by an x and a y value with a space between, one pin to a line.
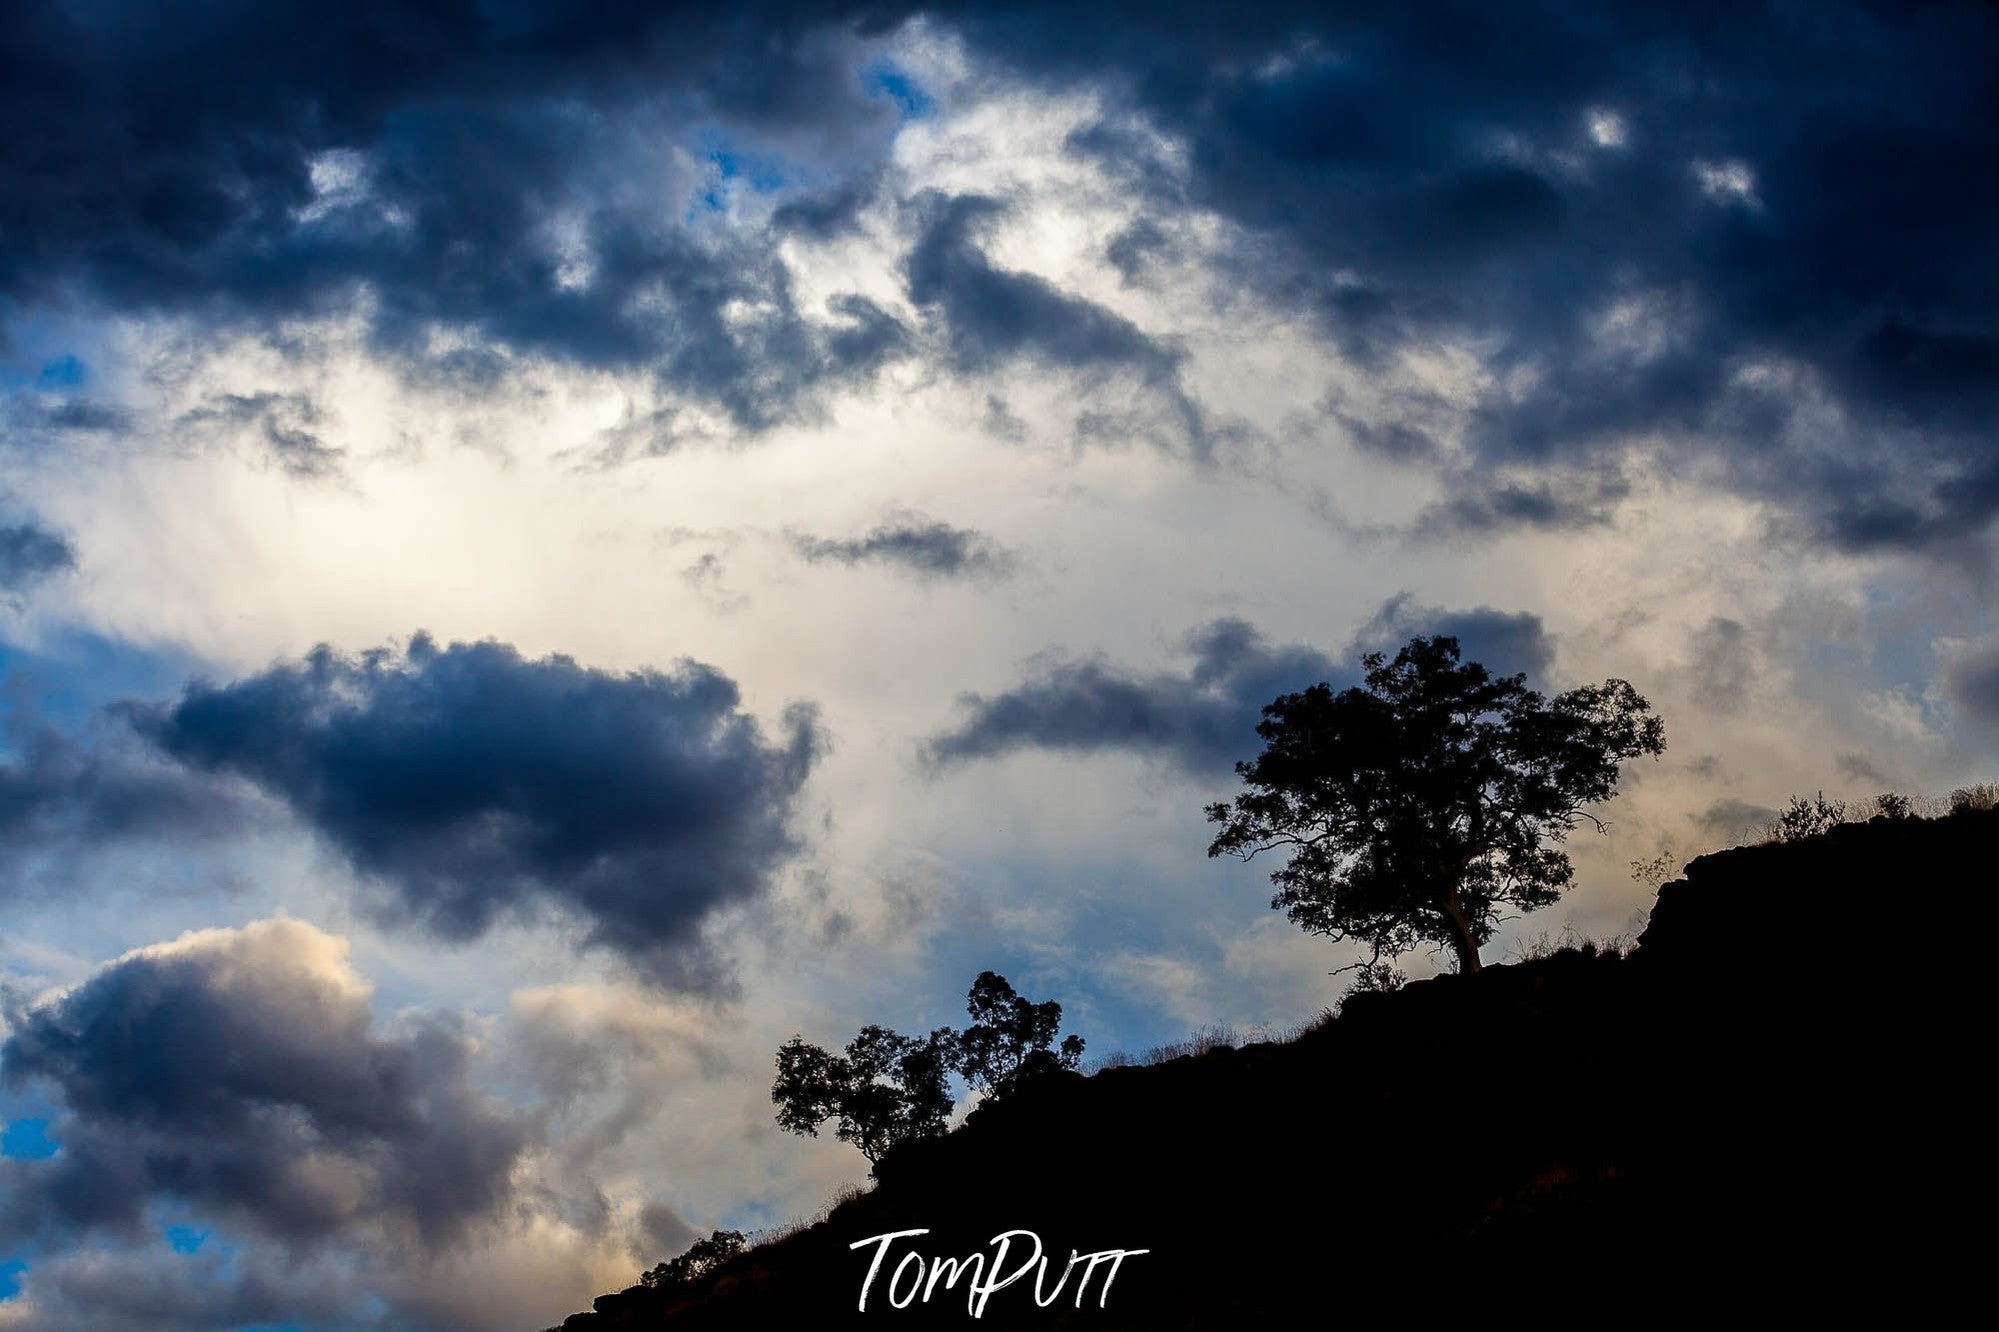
pixel 1461 935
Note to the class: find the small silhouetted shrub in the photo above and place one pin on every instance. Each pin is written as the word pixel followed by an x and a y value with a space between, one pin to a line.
pixel 1572 940
pixel 1809 818
pixel 1892 806
pixel 1655 871
pixel 1974 799
pixel 1373 978
pixel 701 1258
pixel 782 1231
pixel 1215 1036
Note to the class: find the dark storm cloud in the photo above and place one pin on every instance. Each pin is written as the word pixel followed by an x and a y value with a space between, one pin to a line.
pixel 1681 222
pixel 240 1072
pixel 1204 718
pixel 827 213
pixel 29 553
pixel 258 162
pixel 79 415
pixel 1972 682
pixel 152 1291
pixel 1724 665
pixel 993 315
pixel 865 338
pixel 1735 820
pixel 1862 768
pixel 160 1294
pixel 472 784
pixel 64 792
pixel 156 1290
pixel 281 423
pixel 1201 718
pixel 662 1231
pixel 1505 642
pixel 1133 249
pixel 1395 441
pixel 1753 235
pixel 1481 507
pixel 914 544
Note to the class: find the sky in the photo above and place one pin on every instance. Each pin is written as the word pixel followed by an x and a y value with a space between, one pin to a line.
pixel 547 548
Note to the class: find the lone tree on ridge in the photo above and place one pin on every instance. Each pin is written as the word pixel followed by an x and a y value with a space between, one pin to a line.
pixel 1417 806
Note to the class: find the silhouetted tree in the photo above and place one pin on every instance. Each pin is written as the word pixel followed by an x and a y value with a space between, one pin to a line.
pixel 1808 818
pixel 1374 978
pixel 1010 1039
pixel 1655 871
pixel 1974 799
pixel 886 1089
pixel 1415 807
pixel 701 1258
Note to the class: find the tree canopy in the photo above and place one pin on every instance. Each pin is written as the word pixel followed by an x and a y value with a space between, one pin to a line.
pixel 1010 1040
pixel 888 1088
pixel 701 1258
pixel 1417 806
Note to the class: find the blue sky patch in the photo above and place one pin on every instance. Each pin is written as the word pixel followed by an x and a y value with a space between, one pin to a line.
pixel 884 78
pixel 72 673
pixel 27 1140
pixel 65 371
pixel 185 1239
pixel 737 168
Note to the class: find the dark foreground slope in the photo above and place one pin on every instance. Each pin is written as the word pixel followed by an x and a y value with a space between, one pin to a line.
pixel 1742 1117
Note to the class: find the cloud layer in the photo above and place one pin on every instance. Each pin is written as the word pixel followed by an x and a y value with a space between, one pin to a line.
pixel 452 169
pixel 472 783
pixel 1203 719
pixel 1753 238
pixel 921 546
pixel 29 553
pixel 1752 234
pixel 241 1072
pixel 65 794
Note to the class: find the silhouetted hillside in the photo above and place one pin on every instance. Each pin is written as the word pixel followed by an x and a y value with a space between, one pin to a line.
pixel 1736 1119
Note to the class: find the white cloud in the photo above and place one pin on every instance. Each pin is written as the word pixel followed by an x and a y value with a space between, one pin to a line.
pixel 1727 181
